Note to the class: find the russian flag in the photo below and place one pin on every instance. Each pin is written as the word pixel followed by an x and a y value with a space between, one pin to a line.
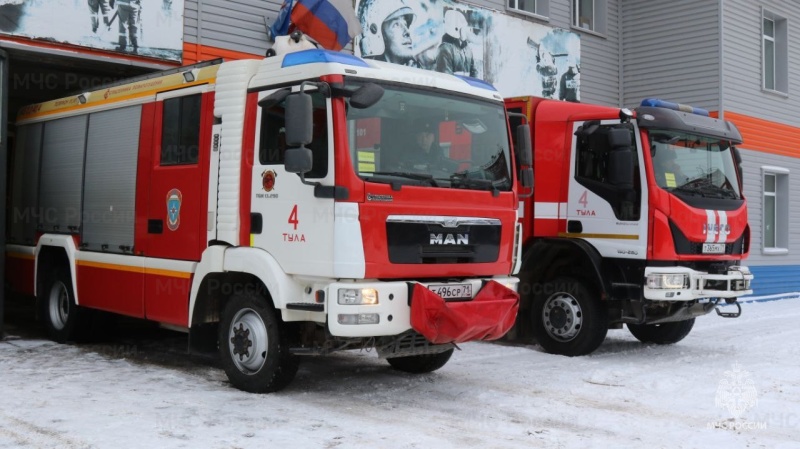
pixel 332 23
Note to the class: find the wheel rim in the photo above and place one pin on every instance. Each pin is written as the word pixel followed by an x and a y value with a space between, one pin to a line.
pixel 562 317
pixel 247 341
pixel 59 303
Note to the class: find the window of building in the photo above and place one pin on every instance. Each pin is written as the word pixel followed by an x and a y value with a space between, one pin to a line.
pixel 775 52
pixel 180 131
pixel 776 210
pixel 536 7
pixel 589 15
pixel 273 136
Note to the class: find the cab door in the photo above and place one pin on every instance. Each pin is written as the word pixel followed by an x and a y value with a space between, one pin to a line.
pixel 297 227
pixel 612 216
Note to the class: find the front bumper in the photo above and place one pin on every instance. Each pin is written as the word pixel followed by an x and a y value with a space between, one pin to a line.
pixel 394 305
pixel 735 282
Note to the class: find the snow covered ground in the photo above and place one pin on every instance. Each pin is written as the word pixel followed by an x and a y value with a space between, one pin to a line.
pixel 731 383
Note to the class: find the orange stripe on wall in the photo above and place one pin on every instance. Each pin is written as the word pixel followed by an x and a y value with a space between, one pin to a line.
pixel 766 136
pixel 193 53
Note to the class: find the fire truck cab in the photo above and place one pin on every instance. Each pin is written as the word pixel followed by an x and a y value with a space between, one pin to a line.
pixel 637 218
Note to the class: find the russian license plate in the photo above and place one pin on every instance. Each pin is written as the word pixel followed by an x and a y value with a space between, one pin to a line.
pixel 713 248
pixel 452 291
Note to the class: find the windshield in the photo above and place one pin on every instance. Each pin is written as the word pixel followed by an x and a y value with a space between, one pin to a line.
pixel 693 164
pixel 420 137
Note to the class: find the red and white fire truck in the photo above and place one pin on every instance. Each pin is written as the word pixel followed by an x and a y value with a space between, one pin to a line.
pixel 637 218
pixel 272 208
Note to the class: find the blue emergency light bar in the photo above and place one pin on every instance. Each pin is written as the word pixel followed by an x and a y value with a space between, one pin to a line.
pixel 656 103
pixel 475 82
pixel 316 56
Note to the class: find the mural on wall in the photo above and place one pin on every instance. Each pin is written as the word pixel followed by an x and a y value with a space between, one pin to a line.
pixel 151 28
pixel 518 56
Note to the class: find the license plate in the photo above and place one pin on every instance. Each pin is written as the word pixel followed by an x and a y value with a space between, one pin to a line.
pixel 713 248
pixel 452 291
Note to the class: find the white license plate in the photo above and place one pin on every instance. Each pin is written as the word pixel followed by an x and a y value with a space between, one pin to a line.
pixel 452 291
pixel 713 248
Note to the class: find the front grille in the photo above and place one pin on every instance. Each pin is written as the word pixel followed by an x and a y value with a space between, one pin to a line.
pixel 428 241
pixel 686 247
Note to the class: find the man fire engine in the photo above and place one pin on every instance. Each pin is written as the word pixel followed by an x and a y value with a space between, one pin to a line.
pixel 636 218
pixel 250 204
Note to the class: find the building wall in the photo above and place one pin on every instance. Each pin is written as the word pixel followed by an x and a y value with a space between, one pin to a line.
pixel 236 28
pixel 770 128
pixel 742 69
pixel 671 51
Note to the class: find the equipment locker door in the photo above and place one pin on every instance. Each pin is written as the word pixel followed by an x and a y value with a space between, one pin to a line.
pixel 177 200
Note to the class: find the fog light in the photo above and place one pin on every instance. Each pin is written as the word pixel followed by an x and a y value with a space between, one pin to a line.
pixel 358 296
pixel 667 281
pixel 359 318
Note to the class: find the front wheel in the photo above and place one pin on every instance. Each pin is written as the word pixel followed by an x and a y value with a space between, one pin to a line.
pixel 253 346
pixel 662 334
pixel 568 318
pixel 424 363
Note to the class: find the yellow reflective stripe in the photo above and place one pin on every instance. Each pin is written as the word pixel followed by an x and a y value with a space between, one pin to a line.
pixel 132 269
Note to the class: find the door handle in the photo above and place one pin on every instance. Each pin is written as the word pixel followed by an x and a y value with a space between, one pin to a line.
pixel 574 227
pixel 155 226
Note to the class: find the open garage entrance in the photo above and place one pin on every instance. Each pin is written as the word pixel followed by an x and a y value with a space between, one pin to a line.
pixel 35 74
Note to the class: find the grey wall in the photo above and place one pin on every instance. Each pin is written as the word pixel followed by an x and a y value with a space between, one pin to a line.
pixel 230 24
pixel 753 188
pixel 671 51
pixel 742 66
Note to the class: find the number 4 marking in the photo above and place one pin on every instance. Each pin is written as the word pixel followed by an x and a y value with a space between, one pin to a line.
pixel 293 217
pixel 583 201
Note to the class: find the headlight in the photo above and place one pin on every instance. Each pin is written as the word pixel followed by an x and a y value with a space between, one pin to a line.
pixel 667 281
pixel 358 296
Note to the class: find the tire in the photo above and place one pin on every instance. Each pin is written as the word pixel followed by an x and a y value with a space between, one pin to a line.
pixel 63 319
pixel 568 318
pixel 253 346
pixel 662 334
pixel 418 364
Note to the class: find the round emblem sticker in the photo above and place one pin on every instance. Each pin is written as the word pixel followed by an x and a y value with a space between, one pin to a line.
pixel 174 199
pixel 268 180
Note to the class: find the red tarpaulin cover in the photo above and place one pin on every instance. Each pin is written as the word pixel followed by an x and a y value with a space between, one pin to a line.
pixel 488 316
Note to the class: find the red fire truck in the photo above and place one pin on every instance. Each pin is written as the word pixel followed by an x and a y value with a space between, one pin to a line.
pixel 637 218
pixel 272 208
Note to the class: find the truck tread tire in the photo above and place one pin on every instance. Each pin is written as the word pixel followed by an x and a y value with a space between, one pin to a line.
pixel 662 334
pixel 253 345
pixel 575 322
pixel 423 363
pixel 63 319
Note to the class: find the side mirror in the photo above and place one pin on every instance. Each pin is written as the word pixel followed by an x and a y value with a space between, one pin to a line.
pixel 524 146
pixel 298 160
pixel 526 178
pixel 366 96
pixel 619 138
pixel 299 119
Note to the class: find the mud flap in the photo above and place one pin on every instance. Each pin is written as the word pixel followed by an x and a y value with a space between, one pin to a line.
pixel 488 316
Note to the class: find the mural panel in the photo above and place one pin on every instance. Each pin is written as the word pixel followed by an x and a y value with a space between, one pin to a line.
pixel 518 56
pixel 151 28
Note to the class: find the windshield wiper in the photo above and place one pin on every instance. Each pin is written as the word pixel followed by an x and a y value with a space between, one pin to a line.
pixel 704 188
pixel 462 180
pixel 424 177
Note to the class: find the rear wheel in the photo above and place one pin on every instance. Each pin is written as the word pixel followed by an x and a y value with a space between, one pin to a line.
pixel 424 363
pixel 63 319
pixel 253 346
pixel 568 318
pixel 662 334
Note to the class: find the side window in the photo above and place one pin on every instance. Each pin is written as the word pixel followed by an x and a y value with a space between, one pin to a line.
pixel 593 171
pixel 273 136
pixel 180 132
